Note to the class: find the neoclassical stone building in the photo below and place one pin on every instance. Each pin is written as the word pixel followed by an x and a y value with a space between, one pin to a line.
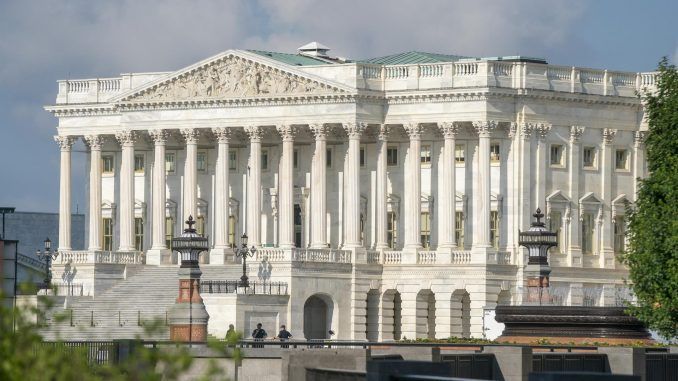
pixel 388 193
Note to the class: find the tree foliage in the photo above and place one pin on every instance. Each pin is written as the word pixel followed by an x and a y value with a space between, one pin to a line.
pixel 25 356
pixel 652 256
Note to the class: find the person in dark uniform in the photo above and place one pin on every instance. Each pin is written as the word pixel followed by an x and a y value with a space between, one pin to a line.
pixel 284 335
pixel 259 334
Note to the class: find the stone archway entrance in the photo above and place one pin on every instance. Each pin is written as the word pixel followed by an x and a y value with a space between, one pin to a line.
pixel 317 316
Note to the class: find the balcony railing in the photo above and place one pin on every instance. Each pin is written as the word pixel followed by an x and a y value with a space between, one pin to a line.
pixel 233 287
pixel 92 257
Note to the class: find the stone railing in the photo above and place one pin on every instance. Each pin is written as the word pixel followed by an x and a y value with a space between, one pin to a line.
pixel 373 256
pixel 426 257
pixel 31 262
pixel 460 257
pixel 499 258
pixel 88 90
pixel 392 257
pixel 92 257
pixel 321 255
pixel 505 74
pixel 271 254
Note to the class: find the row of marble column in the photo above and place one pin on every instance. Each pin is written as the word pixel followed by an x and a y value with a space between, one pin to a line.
pixel 351 227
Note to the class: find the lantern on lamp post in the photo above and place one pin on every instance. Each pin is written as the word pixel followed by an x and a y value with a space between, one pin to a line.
pixel 244 252
pixel 48 256
pixel 538 240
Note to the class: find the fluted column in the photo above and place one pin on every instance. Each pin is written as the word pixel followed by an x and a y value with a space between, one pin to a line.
pixel 382 188
pixel 541 130
pixel 413 189
pixel 319 188
pixel 352 186
pixel 94 143
pixel 126 139
pixel 65 143
pixel 447 208
pixel 607 168
pixel 286 186
pixel 573 235
pixel 638 160
pixel 190 173
pixel 481 230
pixel 159 196
pixel 221 196
pixel 254 186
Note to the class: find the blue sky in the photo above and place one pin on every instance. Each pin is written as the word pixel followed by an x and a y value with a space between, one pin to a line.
pixel 43 41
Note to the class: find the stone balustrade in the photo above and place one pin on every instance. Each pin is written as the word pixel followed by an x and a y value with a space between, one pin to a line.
pixel 95 257
pixel 392 257
pixel 426 257
pixel 461 257
pixel 459 74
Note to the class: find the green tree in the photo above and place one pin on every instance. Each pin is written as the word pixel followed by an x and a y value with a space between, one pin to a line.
pixel 652 256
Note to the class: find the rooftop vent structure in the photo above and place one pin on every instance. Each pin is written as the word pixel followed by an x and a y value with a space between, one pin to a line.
pixel 314 49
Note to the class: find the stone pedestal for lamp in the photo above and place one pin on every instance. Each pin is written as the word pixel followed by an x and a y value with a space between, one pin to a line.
pixel 188 316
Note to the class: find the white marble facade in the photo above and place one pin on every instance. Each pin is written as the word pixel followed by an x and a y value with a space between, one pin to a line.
pixel 368 185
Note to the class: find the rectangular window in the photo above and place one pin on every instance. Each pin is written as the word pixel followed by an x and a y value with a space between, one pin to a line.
pixel 589 157
pixel 107 164
pixel 232 160
pixel 459 228
pixel 426 230
pixel 459 154
pixel 170 163
pixel 362 156
pixel 392 156
pixel 295 159
pixel 621 159
pixel 619 234
pixel 555 225
pixel 328 158
pixel 139 234
pixel 391 230
pixel 494 153
pixel 107 234
pixel 202 161
pixel 494 229
pixel 200 225
pixel 169 232
pixel 264 160
pixel 139 163
pixel 426 155
pixel 587 233
pixel 231 231
pixel 557 155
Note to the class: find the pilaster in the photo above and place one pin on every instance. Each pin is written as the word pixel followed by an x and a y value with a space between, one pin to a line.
pixel 607 237
pixel 541 133
pixel 638 160
pixel 574 255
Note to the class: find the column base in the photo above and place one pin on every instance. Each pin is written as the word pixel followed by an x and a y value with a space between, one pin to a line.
pixel 221 255
pixel 157 257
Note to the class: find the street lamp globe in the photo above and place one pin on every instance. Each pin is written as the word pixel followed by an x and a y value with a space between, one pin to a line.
pixel 189 245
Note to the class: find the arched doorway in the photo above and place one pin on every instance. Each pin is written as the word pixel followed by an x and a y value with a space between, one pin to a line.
pixel 391 312
pixel 372 315
pixel 426 315
pixel 460 314
pixel 317 317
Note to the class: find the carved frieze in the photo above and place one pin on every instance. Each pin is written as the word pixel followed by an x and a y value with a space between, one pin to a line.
pixel 231 77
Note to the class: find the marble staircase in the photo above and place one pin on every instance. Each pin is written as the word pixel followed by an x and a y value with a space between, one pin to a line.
pixel 127 309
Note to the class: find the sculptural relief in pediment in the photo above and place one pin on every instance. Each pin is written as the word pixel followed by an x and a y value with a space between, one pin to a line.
pixel 231 77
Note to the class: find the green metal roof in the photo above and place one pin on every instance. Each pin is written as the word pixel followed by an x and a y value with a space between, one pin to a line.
pixel 412 58
pixel 291 59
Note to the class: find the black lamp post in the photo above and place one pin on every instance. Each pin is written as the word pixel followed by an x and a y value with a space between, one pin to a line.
pixel 538 240
pixel 48 255
pixel 189 245
pixel 244 252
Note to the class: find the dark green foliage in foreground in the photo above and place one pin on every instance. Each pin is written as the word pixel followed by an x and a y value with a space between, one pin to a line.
pixel 652 256
pixel 24 356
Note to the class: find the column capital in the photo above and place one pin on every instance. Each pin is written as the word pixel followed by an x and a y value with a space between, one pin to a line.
pixel 513 130
pixel 255 133
pixel 190 135
pixel 94 142
pixel 159 137
pixel 639 137
pixel 525 130
pixel 413 130
pixel 287 132
pixel 384 131
pixel 541 130
pixel 354 130
pixel 449 129
pixel 320 130
pixel 484 127
pixel 64 142
pixel 608 135
pixel 223 134
pixel 576 133
pixel 126 137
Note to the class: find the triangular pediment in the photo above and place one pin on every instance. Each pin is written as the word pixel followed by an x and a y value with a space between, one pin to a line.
pixel 590 198
pixel 557 197
pixel 231 75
